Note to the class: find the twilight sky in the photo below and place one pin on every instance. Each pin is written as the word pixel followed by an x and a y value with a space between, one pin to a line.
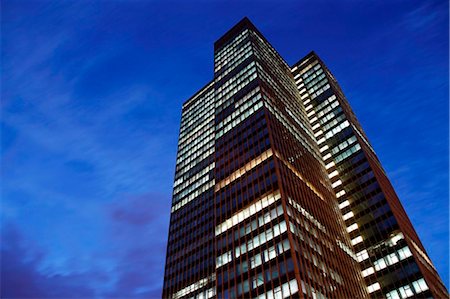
pixel 91 101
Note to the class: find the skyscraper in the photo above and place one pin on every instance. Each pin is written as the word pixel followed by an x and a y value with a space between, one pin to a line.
pixel 279 194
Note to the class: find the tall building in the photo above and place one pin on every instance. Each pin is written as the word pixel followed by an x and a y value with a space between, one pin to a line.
pixel 392 258
pixel 278 193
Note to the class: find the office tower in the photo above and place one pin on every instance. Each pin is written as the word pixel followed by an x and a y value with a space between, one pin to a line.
pixel 392 258
pixel 254 213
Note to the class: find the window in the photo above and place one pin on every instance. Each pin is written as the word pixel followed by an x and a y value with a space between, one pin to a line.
pixel 373 287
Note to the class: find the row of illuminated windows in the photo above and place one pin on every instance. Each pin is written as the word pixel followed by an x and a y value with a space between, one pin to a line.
pixel 282 79
pixel 331 99
pixel 209 293
pixel 237 51
pixel 347 249
pixel 225 50
pixel 300 123
pixel 311 230
pixel 269 254
pixel 236 79
pixel 250 100
pixel 333 123
pixel 269 49
pixel 312 76
pixel 300 176
pixel 200 145
pixel 306 239
pixel 244 169
pixel 319 264
pixel 249 143
pixel 406 291
pixel 196 112
pixel 236 58
pixel 244 99
pixel 331 103
pixel 285 290
pixel 337 129
pixel 278 115
pixel 308 70
pixel 206 93
pixel 198 130
pixel 392 258
pixel 316 83
pixel 261 258
pixel 202 95
pixel 248 212
pixel 257 241
pixel 244 115
pixel 231 90
pixel 374 287
pixel 252 188
pixel 195 286
pixel 347 153
pixel 183 180
pixel 186 200
pixel 206 140
pixel 343 145
pixel 229 101
pixel 194 186
pixel 319 91
pixel 255 224
pixel 269 234
pixel 306 214
pixel 193 182
pixel 230 46
pixel 311 292
pixel 193 160
pixel 331 115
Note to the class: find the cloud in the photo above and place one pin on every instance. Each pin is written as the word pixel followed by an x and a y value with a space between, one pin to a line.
pixel 21 278
pixel 129 264
pixel 137 223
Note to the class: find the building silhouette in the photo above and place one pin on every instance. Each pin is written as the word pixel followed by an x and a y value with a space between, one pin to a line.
pixel 278 192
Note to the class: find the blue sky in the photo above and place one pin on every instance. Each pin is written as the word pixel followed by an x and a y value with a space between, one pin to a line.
pixel 91 101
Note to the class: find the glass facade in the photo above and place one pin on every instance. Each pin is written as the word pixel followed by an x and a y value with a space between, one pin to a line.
pixel 393 261
pixel 255 212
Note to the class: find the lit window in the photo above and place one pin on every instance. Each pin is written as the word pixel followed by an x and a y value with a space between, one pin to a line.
pixel 352 227
pixel 340 193
pixel 337 183
pixel 333 174
pixel 344 204
pixel 420 285
pixel 373 287
pixel 368 272
pixel 362 255
pixel 348 215
pixel 357 240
